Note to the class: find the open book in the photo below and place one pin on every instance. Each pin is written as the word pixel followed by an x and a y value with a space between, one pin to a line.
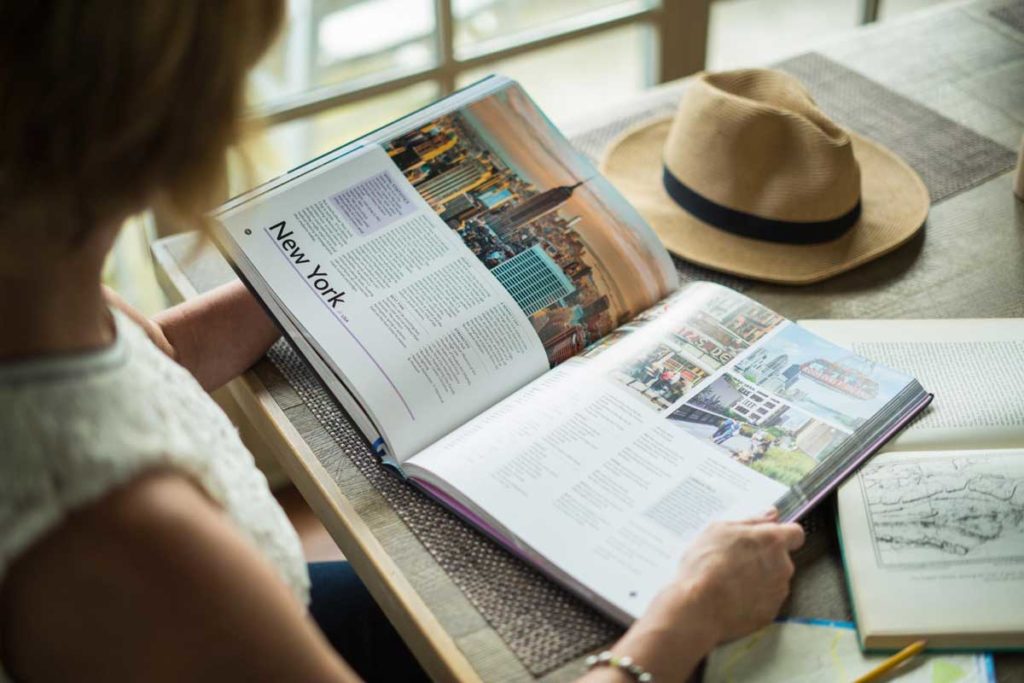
pixel 933 529
pixel 511 336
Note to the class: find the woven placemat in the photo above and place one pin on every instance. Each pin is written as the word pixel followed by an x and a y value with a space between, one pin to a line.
pixel 1011 14
pixel 950 157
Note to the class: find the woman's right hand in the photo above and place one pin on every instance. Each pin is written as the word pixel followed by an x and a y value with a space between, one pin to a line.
pixel 732 581
pixel 738 573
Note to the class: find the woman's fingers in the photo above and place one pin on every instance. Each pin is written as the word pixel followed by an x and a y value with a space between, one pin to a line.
pixel 792 535
pixel 769 515
pixel 789 535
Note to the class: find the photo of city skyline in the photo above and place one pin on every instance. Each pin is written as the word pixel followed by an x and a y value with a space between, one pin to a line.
pixel 547 226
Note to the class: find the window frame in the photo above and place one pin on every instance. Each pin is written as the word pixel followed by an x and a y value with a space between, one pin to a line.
pixel 680 28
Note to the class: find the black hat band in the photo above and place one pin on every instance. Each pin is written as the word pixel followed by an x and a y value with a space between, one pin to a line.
pixel 757 227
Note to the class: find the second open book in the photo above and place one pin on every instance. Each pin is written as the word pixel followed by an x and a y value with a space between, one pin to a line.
pixel 933 529
pixel 511 336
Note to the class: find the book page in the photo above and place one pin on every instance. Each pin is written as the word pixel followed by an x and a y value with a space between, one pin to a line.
pixel 975 368
pixel 934 545
pixel 608 465
pixel 417 327
pixel 437 267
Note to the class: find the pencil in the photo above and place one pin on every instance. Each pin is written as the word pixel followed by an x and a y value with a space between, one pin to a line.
pixel 891 663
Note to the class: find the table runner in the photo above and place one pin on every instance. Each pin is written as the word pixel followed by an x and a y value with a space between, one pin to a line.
pixel 950 158
pixel 543 625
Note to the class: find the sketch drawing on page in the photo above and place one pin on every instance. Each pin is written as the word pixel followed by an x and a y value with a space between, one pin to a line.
pixel 946 509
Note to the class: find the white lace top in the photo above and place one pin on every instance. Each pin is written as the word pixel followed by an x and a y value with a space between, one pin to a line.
pixel 75 427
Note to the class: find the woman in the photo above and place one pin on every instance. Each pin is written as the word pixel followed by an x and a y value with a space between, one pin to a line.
pixel 137 540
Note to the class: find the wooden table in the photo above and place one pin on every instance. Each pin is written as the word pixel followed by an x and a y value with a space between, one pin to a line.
pixel 969 262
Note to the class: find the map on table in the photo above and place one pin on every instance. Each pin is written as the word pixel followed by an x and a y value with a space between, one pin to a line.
pixel 961 507
pixel 816 651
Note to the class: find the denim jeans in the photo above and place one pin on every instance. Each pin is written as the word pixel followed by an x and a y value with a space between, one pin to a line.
pixel 350 619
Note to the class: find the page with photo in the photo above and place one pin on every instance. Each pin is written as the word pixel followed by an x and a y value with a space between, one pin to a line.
pixel 749 384
pixel 933 545
pixel 625 452
pixel 437 268
pixel 758 430
pixel 412 322
pixel 845 388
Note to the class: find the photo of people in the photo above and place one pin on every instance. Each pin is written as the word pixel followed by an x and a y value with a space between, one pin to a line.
pixel 824 379
pixel 757 429
pixel 573 254
pixel 661 375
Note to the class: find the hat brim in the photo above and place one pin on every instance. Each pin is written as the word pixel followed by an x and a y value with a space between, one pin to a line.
pixel 894 205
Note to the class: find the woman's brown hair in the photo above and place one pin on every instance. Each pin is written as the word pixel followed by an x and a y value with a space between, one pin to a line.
pixel 111 106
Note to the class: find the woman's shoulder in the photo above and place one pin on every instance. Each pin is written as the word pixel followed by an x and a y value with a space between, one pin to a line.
pixel 77 426
pixel 101 415
pixel 92 568
pixel 76 429
pixel 140 517
pixel 144 564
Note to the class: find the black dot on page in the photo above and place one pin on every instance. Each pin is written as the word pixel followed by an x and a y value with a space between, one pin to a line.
pixel 632 594
pixel 248 231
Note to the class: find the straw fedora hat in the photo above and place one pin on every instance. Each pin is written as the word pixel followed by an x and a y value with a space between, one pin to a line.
pixel 751 178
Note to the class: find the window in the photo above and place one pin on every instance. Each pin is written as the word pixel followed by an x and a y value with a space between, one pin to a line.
pixel 344 67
